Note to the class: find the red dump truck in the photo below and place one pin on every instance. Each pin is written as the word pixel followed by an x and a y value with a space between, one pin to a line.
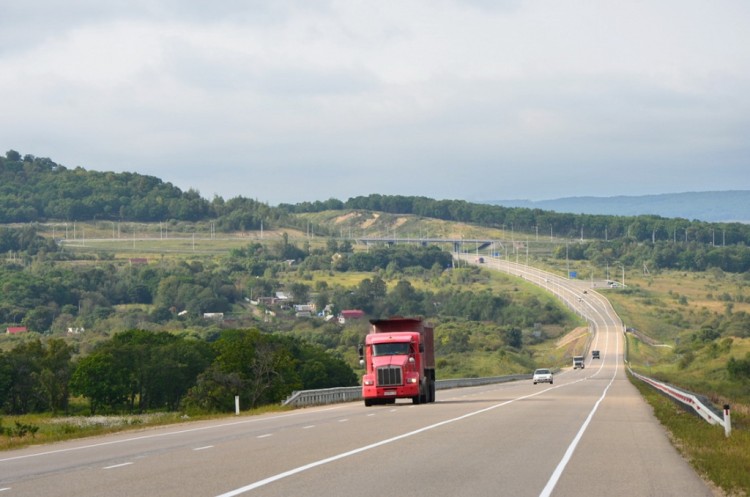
pixel 399 360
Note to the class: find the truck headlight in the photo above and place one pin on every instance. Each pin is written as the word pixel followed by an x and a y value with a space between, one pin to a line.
pixel 411 380
pixel 368 383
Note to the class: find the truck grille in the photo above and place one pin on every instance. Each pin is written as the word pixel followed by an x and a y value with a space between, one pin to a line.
pixel 389 376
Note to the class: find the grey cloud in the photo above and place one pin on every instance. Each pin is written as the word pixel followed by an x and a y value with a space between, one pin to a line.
pixel 240 73
pixel 27 23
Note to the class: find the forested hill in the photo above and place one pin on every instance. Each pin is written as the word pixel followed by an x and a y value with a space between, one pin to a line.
pixel 37 189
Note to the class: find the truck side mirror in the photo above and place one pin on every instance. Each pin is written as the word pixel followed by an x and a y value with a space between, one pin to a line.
pixel 361 352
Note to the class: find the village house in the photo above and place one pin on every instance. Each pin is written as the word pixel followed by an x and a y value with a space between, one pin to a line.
pixel 349 314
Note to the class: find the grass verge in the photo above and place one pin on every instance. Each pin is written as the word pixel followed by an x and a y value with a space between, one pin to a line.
pixel 723 461
pixel 35 429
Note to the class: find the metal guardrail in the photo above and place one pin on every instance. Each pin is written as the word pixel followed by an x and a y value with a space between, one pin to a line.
pixel 702 406
pixel 324 396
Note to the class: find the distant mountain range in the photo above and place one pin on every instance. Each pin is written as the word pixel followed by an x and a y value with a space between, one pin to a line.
pixel 726 206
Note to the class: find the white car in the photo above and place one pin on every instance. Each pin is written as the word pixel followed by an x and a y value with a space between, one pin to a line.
pixel 542 376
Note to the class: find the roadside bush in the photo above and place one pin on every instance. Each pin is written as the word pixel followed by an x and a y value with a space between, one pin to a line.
pixel 739 369
pixel 686 359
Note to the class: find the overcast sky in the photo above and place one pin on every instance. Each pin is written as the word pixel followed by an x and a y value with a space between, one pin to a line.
pixel 303 100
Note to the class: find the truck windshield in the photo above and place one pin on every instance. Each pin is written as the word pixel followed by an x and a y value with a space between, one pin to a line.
pixel 379 349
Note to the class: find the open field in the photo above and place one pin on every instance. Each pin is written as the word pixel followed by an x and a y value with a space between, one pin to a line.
pixel 712 292
pixel 148 241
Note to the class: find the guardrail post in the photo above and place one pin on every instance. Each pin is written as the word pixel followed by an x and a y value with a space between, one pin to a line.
pixel 727 421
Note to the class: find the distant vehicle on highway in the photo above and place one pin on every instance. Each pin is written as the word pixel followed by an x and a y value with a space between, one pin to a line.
pixel 542 376
pixel 578 362
pixel 595 354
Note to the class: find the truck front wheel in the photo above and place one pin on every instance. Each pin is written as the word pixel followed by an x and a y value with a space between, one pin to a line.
pixel 419 398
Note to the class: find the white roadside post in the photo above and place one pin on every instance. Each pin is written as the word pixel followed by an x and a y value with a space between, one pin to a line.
pixel 727 421
pixel 237 405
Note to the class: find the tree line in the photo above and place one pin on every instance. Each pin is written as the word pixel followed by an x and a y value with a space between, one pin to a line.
pixel 661 255
pixel 139 371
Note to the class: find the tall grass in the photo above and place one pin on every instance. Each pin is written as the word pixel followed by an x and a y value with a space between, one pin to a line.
pixel 723 461
pixel 20 431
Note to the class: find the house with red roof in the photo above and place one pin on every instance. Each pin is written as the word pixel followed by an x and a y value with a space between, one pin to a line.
pixel 348 314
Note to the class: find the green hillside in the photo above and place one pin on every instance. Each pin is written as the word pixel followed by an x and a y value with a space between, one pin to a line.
pixel 37 189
